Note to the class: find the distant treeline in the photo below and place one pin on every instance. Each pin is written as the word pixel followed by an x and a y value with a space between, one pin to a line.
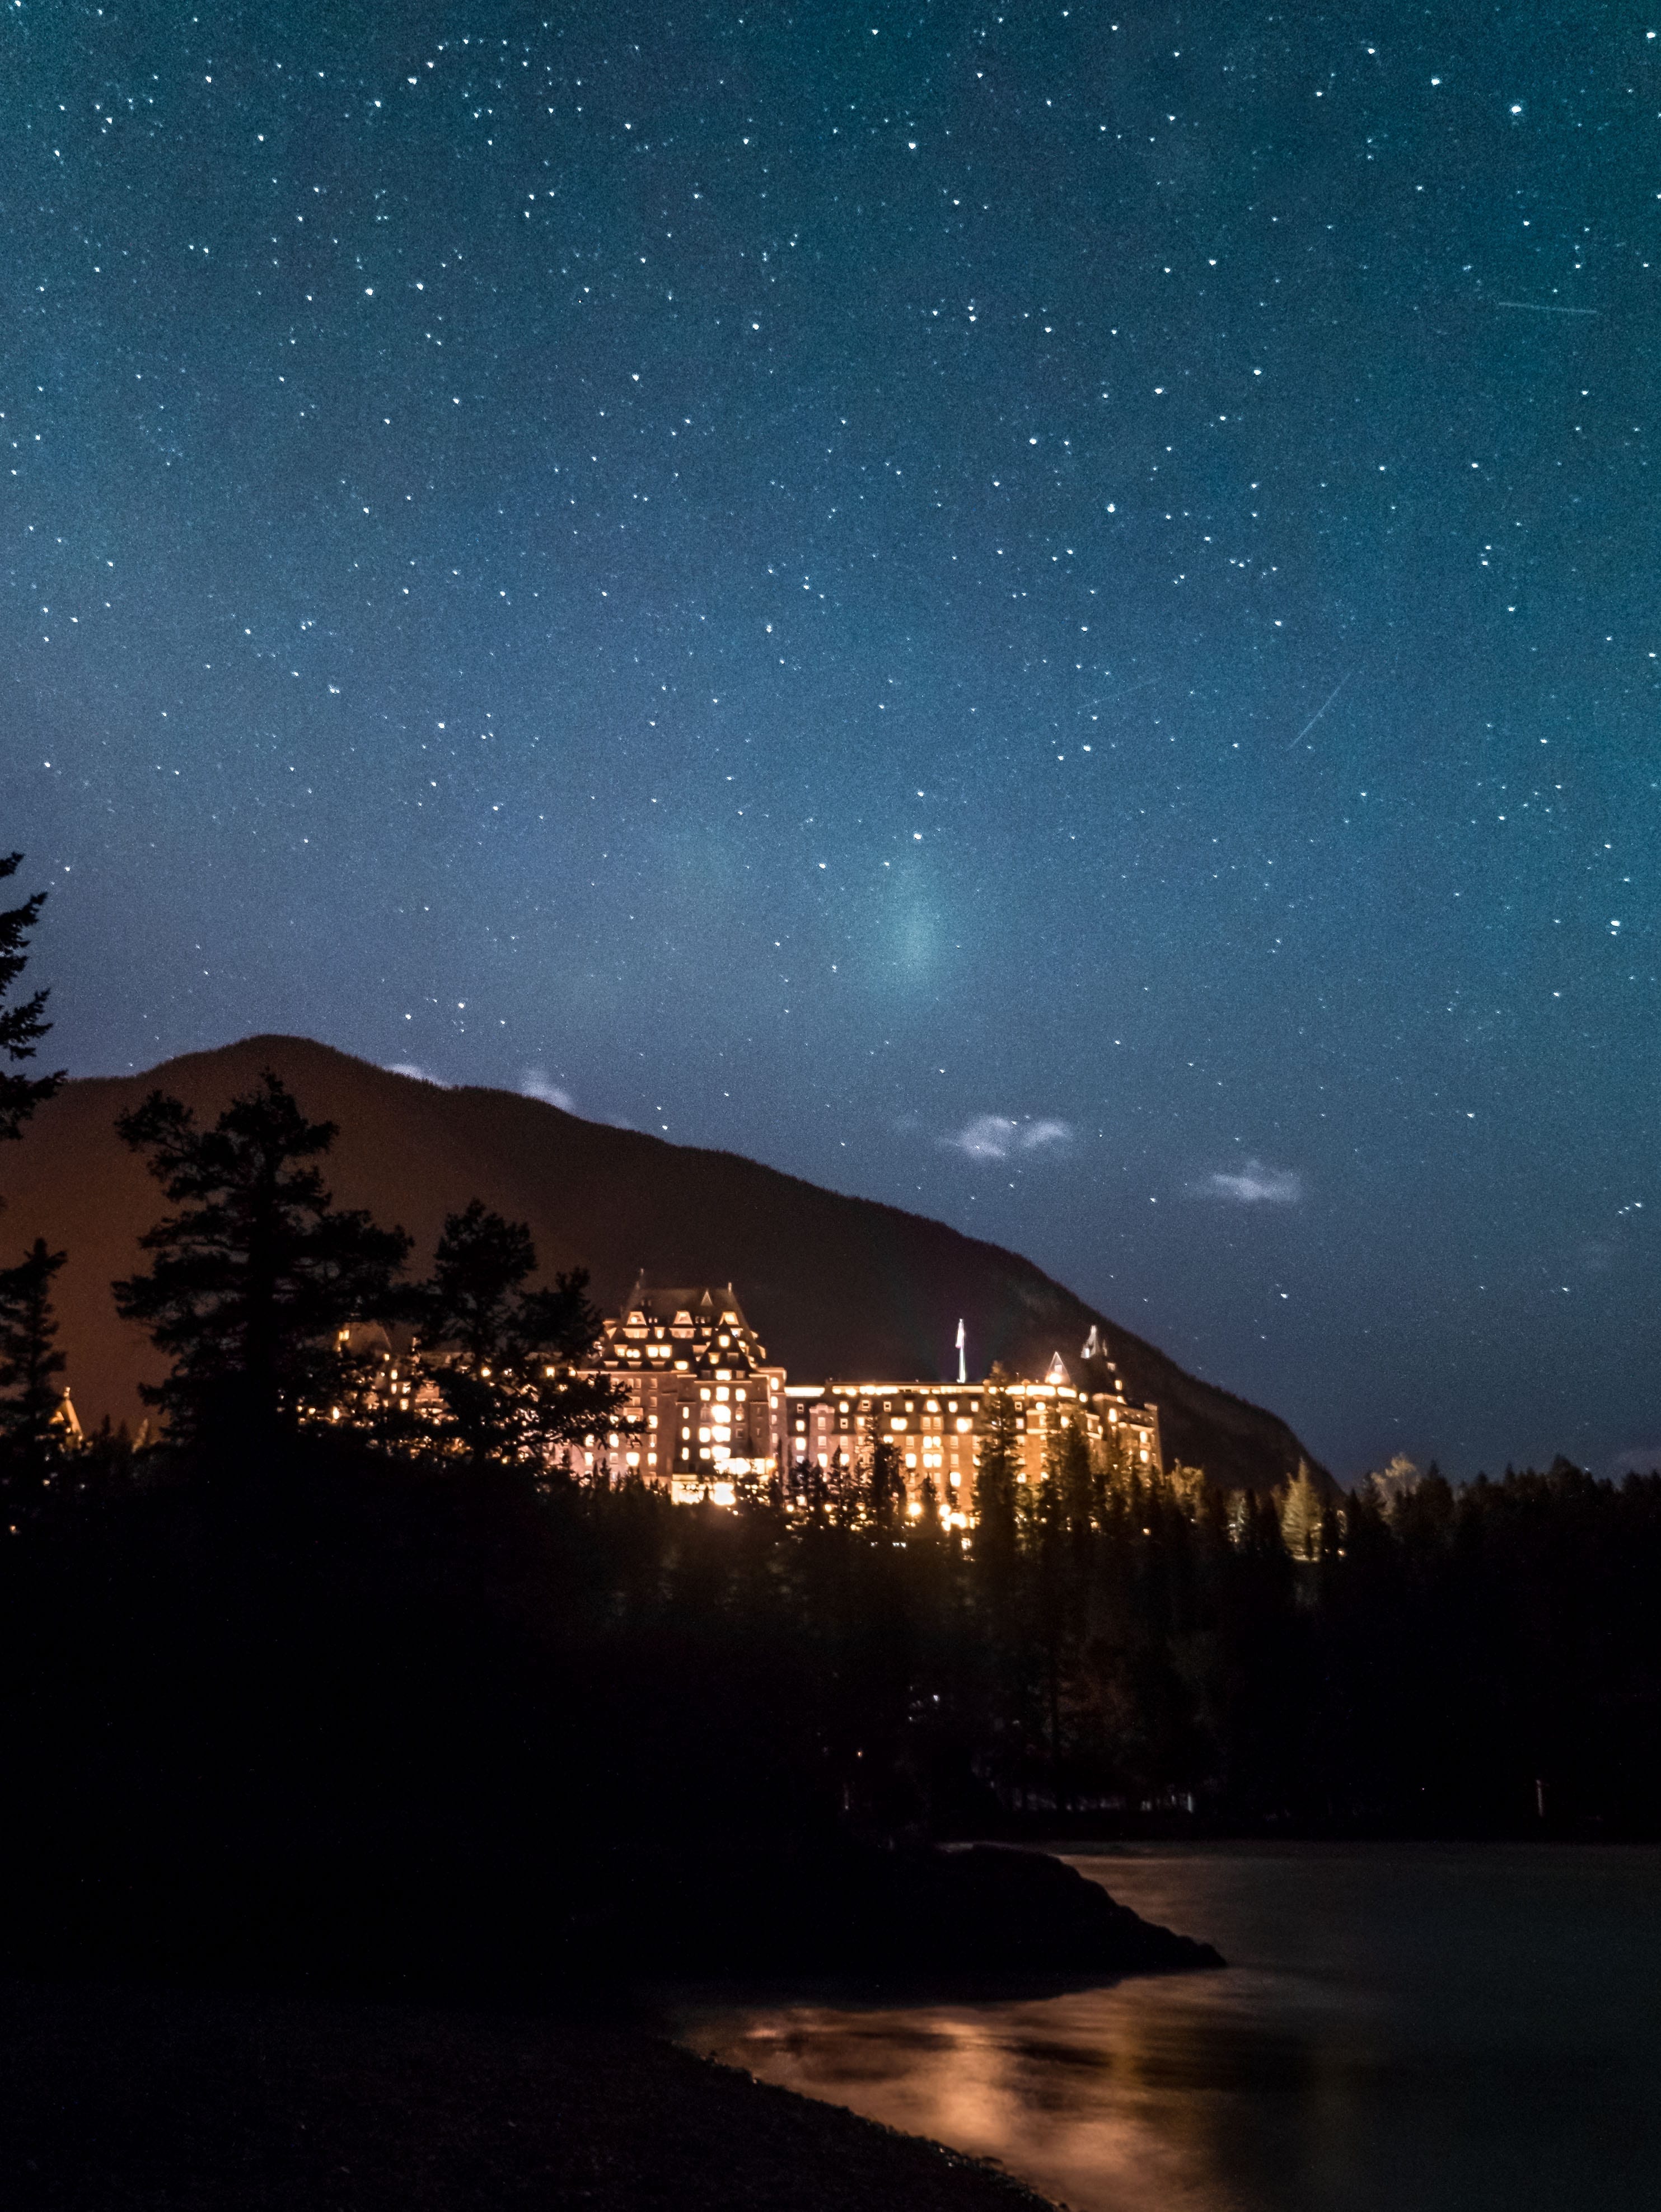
pixel 312 1703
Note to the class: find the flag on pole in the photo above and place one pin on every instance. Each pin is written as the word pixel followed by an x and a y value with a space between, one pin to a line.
pixel 963 1352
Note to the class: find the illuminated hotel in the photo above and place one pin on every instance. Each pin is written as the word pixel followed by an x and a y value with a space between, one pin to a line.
pixel 936 1429
pixel 708 1407
pixel 705 1409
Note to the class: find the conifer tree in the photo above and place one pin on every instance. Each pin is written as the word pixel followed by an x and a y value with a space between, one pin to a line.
pixel 1075 1482
pixel 997 1465
pixel 884 1484
pixel 21 1026
pixel 510 1386
pixel 1302 1508
pixel 258 1271
pixel 30 1366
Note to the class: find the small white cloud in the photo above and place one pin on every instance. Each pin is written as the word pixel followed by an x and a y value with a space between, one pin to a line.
pixel 997 1137
pixel 534 1083
pixel 987 1136
pixel 1255 1185
pixel 418 1074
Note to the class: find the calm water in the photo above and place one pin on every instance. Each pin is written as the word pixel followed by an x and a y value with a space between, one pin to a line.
pixel 1409 2028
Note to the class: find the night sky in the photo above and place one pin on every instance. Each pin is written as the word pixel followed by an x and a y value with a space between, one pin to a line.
pixel 1049 617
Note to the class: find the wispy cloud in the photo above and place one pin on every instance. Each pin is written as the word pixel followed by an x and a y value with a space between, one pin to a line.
pixel 1254 1184
pixel 419 1074
pixel 997 1137
pixel 534 1083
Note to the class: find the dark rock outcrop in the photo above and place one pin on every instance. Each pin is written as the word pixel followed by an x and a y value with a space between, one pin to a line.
pixel 982 1912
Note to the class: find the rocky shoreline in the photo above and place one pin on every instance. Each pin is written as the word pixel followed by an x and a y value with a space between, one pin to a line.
pixel 143 2096
pixel 133 2099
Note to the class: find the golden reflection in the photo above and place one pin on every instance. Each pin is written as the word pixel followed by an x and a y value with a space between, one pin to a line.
pixel 1448 2028
pixel 1101 2098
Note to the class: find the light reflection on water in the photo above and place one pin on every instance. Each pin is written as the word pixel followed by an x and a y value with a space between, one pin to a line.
pixel 1400 2030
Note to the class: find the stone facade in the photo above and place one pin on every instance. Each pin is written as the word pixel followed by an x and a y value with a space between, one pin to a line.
pixel 710 1409
pixel 705 1408
pixel 936 1427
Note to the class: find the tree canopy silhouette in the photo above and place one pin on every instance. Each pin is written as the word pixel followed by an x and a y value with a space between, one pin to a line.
pixel 22 1026
pixel 508 1387
pixel 258 1271
pixel 31 1367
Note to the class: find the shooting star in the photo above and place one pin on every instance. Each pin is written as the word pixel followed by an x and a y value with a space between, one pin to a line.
pixel 1322 708
pixel 1546 307
pixel 1141 684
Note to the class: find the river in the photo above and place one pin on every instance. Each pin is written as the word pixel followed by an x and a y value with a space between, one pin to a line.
pixel 1399 2029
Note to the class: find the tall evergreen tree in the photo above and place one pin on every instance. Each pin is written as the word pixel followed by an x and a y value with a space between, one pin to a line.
pixel 30 1366
pixel 1302 1512
pixel 21 1026
pixel 258 1271
pixel 884 1484
pixel 510 1384
pixel 997 1467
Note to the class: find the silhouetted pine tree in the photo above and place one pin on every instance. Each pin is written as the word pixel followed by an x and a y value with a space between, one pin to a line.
pixel 997 1468
pixel 258 1271
pixel 885 1485
pixel 30 1371
pixel 508 1386
pixel 21 1026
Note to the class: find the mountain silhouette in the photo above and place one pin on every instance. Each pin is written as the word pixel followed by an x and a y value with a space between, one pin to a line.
pixel 836 1286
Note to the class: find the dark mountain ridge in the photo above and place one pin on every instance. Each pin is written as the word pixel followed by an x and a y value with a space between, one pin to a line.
pixel 835 1286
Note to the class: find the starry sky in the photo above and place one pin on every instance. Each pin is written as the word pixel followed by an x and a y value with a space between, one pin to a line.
pixel 1049 616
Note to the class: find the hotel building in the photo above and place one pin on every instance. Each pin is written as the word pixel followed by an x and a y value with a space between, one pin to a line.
pixel 708 1405
pixel 936 1428
pixel 704 1408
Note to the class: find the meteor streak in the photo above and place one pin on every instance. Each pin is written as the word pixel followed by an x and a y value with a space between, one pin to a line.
pixel 1322 708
